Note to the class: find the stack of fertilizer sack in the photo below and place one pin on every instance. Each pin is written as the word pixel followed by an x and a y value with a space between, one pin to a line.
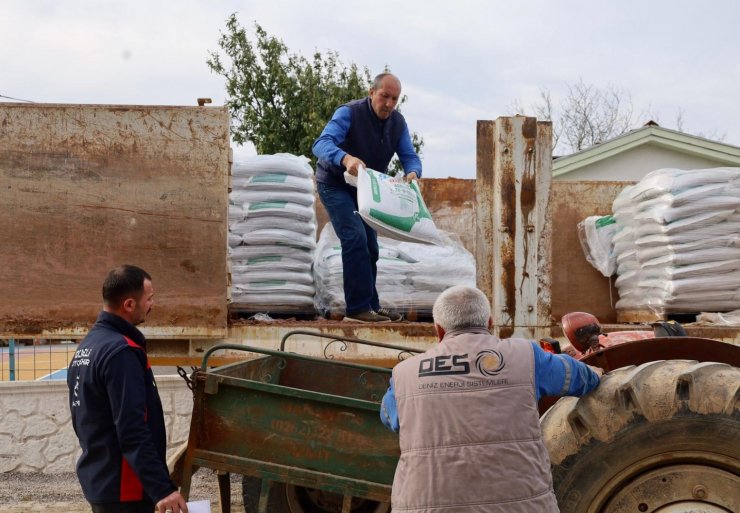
pixel 272 233
pixel 410 275
pixel 677 243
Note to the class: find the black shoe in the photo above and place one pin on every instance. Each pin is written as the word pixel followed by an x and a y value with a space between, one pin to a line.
pixel 368 316
pixel 393 316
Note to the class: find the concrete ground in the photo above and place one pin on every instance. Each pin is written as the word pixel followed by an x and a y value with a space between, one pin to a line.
pixel 61 493
pixel 76 507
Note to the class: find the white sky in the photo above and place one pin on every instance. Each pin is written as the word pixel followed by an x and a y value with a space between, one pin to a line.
pixel 459 61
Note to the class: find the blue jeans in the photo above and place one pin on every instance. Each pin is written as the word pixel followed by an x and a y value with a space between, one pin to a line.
pixel 359 247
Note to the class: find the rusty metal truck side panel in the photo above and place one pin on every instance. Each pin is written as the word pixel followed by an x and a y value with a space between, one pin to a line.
pixel 84 188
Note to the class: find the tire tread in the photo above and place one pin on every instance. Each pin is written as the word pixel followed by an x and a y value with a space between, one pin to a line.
pixel 645 400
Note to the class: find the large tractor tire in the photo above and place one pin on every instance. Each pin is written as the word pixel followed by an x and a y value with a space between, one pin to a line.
pixel 285 498
pixel 663 437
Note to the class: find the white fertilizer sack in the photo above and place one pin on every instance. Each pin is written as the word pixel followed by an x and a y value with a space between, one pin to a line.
pixel 678 181
pixel 234 240
pixel 394 208
pixel 271 262
pixel 275 286
pixel 596 234
pixel 260 276
pixel 280 209
pixel 236 212
pixel 281 163
pixel 271 299
pixel 241 196
pixel 241 254
pixel 278 237
pixel 269 222
pixel 273 182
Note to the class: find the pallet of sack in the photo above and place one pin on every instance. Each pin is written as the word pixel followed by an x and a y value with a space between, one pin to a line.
pixel 272 234
pixel 410 275
pixel 677 244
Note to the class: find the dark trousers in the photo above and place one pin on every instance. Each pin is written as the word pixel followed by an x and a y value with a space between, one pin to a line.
pixel 144 506
pixel 359 247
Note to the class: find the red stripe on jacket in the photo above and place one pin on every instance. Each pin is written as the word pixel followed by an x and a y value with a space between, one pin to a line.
pixel 131 487
pixel 137 346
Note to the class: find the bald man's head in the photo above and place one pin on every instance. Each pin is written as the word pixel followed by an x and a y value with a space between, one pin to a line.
pixel 384 94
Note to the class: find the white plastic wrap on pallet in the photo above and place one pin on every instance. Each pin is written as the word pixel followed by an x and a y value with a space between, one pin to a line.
pixel 678 241
pixel 410 275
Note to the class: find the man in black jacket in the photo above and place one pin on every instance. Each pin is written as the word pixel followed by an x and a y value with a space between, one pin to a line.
pixel 116 411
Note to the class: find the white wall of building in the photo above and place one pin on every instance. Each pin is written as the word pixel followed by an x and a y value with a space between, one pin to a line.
pixel 36 432
pixel 634 164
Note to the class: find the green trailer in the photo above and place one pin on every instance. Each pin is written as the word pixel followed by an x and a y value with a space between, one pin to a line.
pixel 304 431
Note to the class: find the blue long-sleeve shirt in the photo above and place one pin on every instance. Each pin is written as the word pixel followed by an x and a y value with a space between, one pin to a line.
pixel 326 147
pixel 554 375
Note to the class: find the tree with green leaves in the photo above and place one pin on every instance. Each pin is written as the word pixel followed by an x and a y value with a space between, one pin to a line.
pixel 281 101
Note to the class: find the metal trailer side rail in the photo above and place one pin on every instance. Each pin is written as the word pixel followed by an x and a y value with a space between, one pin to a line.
pixel 336 338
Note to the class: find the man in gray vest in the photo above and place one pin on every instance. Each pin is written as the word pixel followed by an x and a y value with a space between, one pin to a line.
pixel 466 413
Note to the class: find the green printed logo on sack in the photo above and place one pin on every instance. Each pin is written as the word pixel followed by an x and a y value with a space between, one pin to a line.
pixel 605 221
pixel 395 208
pixel 375 187
pixel 267 204
pixel 271 178
pixel 264 259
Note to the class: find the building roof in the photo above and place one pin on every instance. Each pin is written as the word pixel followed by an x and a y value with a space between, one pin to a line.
pixel 650 134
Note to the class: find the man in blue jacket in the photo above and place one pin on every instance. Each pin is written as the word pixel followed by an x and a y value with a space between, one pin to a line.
pixel 116 411
pixel 362 133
